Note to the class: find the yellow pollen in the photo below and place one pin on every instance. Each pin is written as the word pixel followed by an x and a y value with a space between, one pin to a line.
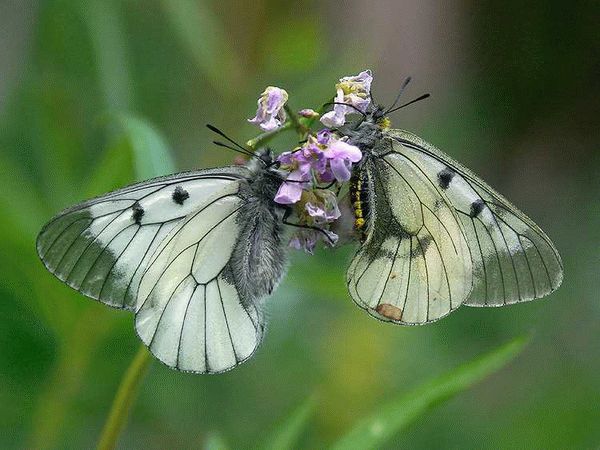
pixel 359 222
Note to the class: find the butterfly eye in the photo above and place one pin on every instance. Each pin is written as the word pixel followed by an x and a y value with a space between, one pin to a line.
pixel 266 158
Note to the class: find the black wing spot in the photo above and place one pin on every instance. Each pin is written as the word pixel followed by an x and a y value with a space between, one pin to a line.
pixel 476 208
pixel 138 212
pixel 445 177
pixel 180 195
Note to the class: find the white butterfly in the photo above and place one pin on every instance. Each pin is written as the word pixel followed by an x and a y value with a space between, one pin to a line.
pixel 434 236
pixel 192 254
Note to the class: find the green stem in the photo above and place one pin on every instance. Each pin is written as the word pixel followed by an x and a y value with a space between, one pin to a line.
pixel 300 129
pixel 263 138
pixel 293 123
pixel 124 399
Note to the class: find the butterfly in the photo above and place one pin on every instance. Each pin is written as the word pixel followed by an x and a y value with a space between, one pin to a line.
pixel 193 255
pixel 433 235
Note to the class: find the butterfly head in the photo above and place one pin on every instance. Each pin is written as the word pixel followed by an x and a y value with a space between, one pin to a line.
pixel 261 159
pixel 265 155
pixel 379 117
pixel 366 131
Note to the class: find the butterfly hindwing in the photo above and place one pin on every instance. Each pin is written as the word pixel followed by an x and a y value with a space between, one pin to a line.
pixel 413 267
pixel 189 312
pixel 512 258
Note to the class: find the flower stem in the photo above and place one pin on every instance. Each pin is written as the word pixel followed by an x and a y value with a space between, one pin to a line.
pixel 124 399
pixel 293 123
pixel 300 128
pixel 263 138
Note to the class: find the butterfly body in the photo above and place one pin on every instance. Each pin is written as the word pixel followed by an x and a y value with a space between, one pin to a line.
pixel 258 259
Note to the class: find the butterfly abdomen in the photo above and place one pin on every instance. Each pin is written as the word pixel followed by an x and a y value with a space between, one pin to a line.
pixel 360 203
pixel 258 260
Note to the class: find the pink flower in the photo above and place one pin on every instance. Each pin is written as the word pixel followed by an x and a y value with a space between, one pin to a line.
pixel 337 116
pixel 290 192
pixel 270 114
pixel 341 155
pixel 304 240
pixel 307 239
pixel 308 113
pixel 324 209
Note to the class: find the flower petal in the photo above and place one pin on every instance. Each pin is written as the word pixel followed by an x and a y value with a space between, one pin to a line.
pixel 333 119
pixel 340 149
pixel 340 169
pixel 288 193
pixel 270 114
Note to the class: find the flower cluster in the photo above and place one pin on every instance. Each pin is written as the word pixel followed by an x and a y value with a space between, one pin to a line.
pixel 323 158
pixel 317 209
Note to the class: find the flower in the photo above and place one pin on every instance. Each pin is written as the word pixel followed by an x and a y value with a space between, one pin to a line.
pixel 341 155
pixel 336 117
pixel 270 114
pixel 298 164
pixel 325 155
pixel 355 93
pixel 307 239
pixel 308 113
pixel 323 208
pixel 357 89
pixel 304 240
pixel 330 157
pixel 338 155
pixel 291 192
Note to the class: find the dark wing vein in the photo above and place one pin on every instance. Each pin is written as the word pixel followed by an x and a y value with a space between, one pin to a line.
pixel 183 323
pixel 237 360
pixel 179 254
pixel 426 273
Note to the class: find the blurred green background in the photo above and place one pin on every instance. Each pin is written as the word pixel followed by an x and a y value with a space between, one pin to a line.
pixel 515 94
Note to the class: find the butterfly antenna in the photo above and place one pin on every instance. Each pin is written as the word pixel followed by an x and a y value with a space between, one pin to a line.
pixel 418 99
pixel 347 104
pixel 402 88
pixel 239 149
pixel 222 144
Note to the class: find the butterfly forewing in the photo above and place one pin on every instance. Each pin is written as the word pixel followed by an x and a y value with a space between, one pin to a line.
pixel 512 258
pixel 101 246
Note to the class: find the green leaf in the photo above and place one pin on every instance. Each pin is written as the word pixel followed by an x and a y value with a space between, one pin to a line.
pixel 375 430
pixel 286 434
pixel 151 154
